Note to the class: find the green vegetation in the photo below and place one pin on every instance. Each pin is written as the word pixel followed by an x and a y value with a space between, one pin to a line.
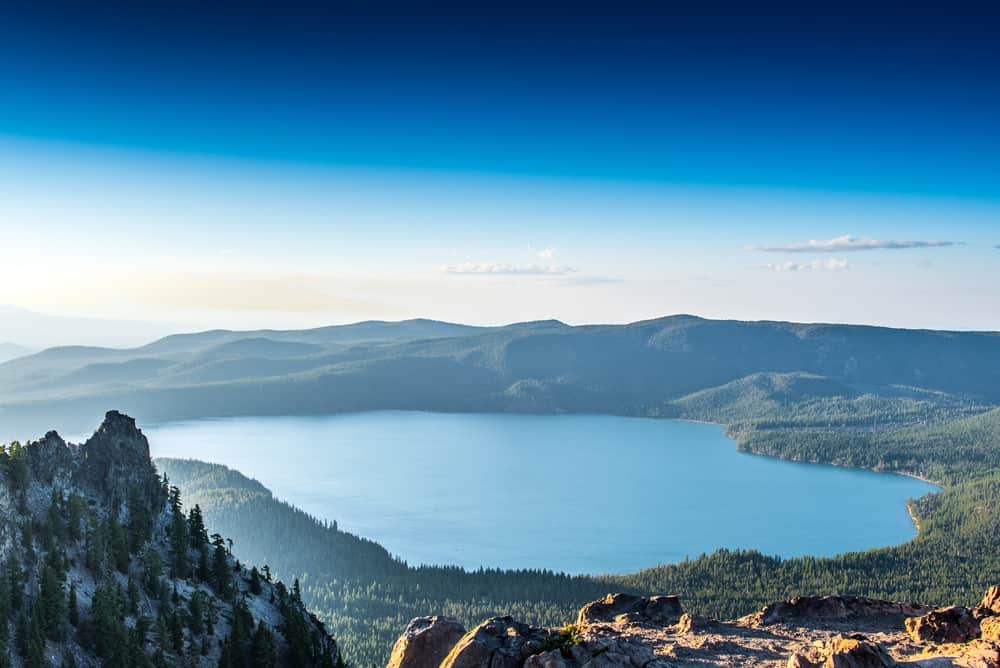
pixel 563 640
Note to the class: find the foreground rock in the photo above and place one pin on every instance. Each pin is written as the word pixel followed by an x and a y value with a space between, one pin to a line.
pixel 954 624
pixel 426 642
pixel 499 643
pixel 626 631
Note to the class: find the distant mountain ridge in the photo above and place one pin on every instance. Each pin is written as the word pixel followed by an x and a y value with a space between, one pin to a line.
pixel 642 368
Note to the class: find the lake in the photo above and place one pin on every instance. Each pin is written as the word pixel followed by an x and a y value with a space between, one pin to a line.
pixel 574 493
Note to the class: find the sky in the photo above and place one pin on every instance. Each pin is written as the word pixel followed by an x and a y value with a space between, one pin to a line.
pixel 300 164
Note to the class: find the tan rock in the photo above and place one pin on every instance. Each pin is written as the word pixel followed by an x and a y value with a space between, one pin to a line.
pixel 981 655
pixel 990 628
pixel 954 624
pixel 425 642
pixel 856 652
pixel 990 605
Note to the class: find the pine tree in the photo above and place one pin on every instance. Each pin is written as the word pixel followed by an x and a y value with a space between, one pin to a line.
pixel 220 567
pixel 179 538
pixel 262 649
pixel 132 594
pixel 73 606
pixel 51 603
pixel 140 523
pixel 196 527
pixel 196 613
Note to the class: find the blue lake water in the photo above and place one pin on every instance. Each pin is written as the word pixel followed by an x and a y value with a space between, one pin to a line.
pixel 575 493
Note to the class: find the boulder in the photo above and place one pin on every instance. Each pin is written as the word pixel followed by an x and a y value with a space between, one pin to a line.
pixel 500 642
pixel 990 628
pixel 689 623
pixel 856 652
pixel 952 624
pixel 799 661
pixel 661 610
pixel 426 642
pixel 551 659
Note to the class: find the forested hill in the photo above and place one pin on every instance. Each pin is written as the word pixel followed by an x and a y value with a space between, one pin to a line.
pixel 103 565
pixel 643 368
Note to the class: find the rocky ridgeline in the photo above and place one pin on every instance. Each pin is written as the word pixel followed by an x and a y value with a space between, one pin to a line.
pixel 91 568
pixel 624 631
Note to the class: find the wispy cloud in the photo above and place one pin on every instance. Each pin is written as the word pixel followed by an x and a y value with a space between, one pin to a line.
pixel 505 269
pixel 816 265
pixel 850 243
pixel 546 254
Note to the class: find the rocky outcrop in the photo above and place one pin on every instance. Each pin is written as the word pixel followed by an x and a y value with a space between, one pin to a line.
pixel 50 460
pixel 849 609
pixel 627 631
pixel 500 642
pixel 633 609
pixel 952 624
pixel 115 460
pixel 426 642
pixel 990 605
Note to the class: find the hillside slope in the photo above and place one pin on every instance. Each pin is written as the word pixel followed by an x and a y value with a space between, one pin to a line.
pixel 102 567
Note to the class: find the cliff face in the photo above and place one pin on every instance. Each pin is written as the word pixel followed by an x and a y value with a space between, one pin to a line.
pixel 624 631
pixel 102 566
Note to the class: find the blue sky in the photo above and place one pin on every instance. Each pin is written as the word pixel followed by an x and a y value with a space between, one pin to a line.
pixel 315 164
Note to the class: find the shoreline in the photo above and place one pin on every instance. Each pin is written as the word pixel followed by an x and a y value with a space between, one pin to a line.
pixel 722 426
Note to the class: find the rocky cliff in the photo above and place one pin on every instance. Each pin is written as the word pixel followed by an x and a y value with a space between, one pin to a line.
pixel 101 565
pixel 624 631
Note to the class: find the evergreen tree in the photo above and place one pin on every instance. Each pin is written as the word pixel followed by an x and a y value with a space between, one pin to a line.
pixel 179 537
pixel 73 606
pixel 196 527
pixel 140 522
pixel 196 613
pixel 263 653
pixel 220 567
pixel 52 603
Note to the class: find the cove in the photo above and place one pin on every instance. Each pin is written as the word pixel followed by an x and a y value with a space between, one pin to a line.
pixel 572 493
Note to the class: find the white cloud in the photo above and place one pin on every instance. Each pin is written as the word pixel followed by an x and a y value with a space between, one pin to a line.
pixel 815 265
pixel 546 254
pixel 850 243
pixel 504 269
